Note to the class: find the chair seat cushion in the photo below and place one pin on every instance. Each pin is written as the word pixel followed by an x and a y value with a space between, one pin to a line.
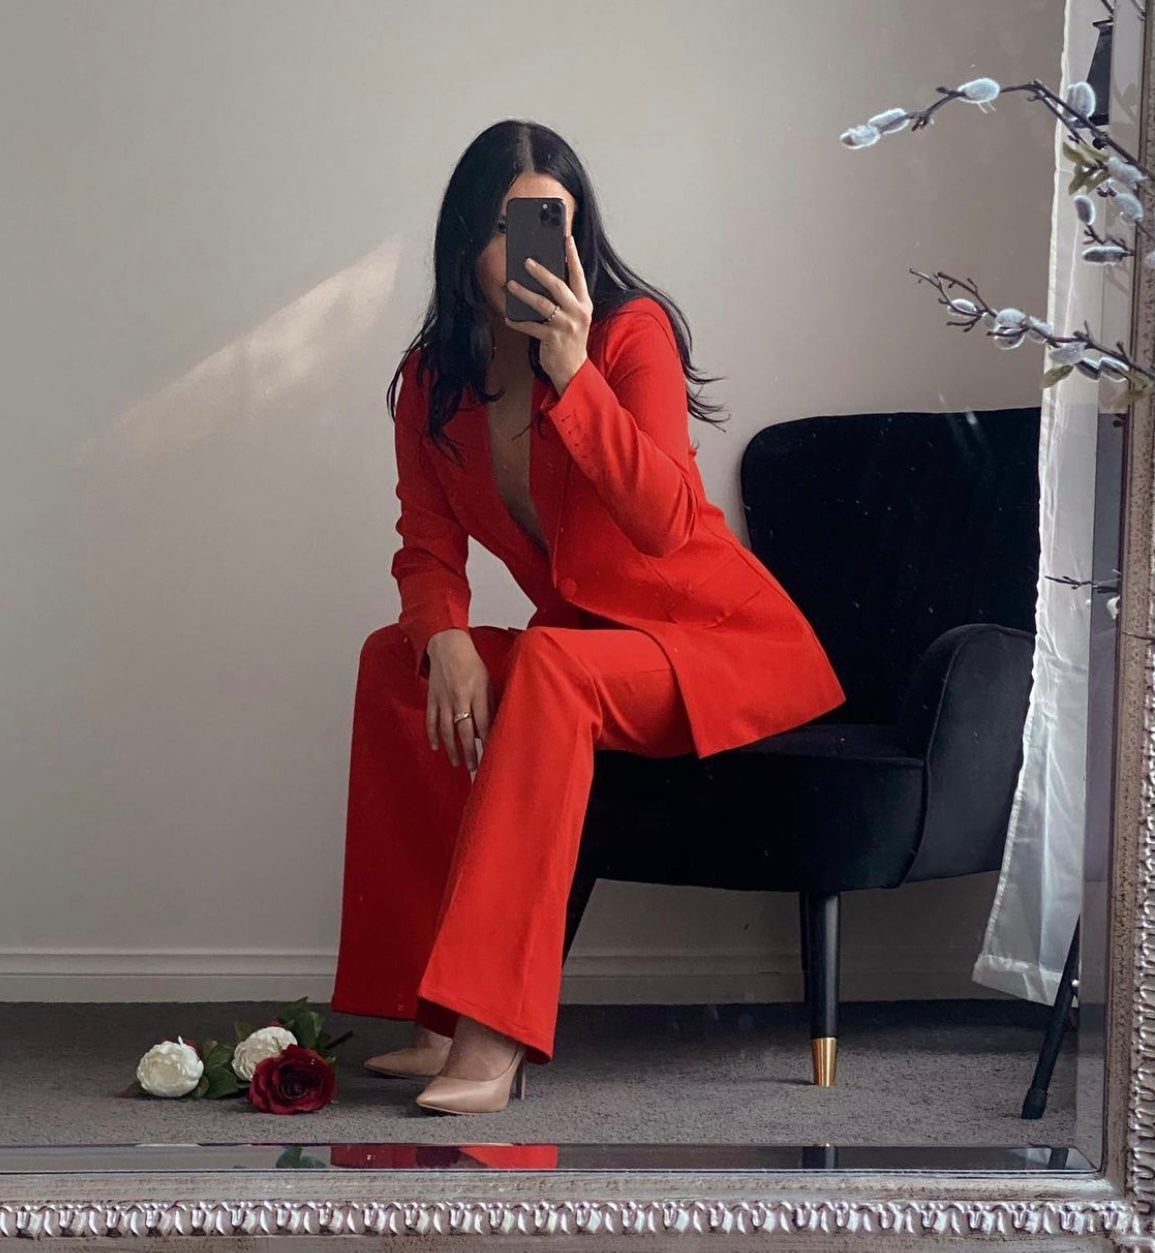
pixel 822 808
pixel 868 741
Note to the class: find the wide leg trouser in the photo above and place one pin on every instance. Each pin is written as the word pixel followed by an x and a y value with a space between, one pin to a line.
pixel 455 891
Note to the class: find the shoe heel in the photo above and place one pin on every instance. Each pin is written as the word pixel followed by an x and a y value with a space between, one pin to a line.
pixel 519 1080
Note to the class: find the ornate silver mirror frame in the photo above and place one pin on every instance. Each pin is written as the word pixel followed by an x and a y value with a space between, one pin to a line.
pixel 722 1209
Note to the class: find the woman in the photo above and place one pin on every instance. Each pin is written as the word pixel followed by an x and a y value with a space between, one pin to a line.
pixel 655 632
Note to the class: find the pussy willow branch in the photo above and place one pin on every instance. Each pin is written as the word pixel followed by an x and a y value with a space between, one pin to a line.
pixel 1092 236
pixel 1040 91
pixel 940 281
pixel 1096 585
pixel 1114 8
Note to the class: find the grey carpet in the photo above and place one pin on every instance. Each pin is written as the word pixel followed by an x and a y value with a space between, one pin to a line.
pixel 909 1073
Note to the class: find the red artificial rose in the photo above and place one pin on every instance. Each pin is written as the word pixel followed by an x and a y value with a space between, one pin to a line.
pixel 296 1081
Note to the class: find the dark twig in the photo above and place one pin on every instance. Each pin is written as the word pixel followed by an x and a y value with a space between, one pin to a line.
pixel 941 281
pixel 1092 236
pixel 1096 585
pixel 1038 91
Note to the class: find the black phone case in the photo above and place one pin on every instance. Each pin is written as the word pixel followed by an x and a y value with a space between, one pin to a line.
pixel 534 227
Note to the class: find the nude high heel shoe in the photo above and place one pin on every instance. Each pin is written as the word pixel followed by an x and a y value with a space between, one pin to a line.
pixel 414 1062
pixel 476 1096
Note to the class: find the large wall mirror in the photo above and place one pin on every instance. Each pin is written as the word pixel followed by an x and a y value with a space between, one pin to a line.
pixel 882 973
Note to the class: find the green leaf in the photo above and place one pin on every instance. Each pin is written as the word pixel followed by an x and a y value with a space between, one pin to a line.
pixel 243 1030
pixel 1083 154
pixel 199 1091
pixel 1125 399
pixel 220 1055
pixel 1056 374
pixel 222 1082
pixel 308 1029
pixel 294 1158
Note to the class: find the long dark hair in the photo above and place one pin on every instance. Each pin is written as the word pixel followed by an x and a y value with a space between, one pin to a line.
pixel 455 340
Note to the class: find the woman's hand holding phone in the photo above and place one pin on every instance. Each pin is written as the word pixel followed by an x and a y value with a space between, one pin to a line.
pixel 539 256
pixel 563 335
pixel 458 680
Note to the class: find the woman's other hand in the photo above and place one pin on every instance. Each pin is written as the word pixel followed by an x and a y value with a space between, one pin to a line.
pixel 458 680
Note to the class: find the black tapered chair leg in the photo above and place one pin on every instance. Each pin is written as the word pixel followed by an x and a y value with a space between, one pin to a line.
pixel 804 942
pixel 1035 1101
pixel 822 952
pixel 579 897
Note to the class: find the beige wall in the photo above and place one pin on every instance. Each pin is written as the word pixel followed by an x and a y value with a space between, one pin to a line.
pixel 218 240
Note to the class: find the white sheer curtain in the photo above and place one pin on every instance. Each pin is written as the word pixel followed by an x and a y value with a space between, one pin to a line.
pixel 1038 897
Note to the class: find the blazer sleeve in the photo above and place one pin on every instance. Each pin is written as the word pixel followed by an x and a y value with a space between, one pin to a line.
pixel 430 564
pixel 628 432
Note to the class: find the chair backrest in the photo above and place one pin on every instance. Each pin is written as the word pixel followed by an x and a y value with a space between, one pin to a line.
pixel 887 529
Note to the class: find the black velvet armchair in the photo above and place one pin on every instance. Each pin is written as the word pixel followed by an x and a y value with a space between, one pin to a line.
pixel 910 541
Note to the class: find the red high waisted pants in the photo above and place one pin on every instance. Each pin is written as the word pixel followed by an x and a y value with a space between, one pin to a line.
pixel 455 890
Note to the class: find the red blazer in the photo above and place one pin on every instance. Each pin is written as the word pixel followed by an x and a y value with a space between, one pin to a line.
pixel 631 535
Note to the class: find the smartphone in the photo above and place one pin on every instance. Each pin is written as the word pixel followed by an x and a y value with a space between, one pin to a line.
pixel 534 227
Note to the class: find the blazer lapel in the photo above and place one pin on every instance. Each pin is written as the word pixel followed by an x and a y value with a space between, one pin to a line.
pixel 549 466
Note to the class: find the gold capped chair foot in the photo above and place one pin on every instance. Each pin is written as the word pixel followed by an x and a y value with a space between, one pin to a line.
pixel 825 1050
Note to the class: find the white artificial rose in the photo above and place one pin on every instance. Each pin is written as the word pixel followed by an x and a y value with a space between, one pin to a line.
pixel 266 1042
pixel 171 1068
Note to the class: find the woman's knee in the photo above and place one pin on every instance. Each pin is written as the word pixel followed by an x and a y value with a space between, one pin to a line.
pixel 386 648
pixel 544 648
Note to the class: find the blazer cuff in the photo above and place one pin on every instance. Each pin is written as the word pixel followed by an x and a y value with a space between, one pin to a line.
pixel 418 634
pixel 587 392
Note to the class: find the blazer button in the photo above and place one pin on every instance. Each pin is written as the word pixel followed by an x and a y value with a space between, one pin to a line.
pixel 567 586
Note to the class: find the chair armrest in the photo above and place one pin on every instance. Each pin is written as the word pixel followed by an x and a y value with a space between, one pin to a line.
pixel 963 713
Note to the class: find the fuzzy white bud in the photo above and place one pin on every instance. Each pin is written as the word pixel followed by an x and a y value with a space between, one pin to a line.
pixel 890 121
pixel 979 90
pixel 1124 172
pixel 1085 208
pixel 1104 254
pixel 1129 206
pixel 1011 317
pixel 1068 354
pixel 1081 98
pixel 861 136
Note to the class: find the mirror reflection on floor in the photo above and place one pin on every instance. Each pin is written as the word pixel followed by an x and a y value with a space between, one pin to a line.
pixel 911 1073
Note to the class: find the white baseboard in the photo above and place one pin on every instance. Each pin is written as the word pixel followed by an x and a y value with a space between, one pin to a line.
pixel 603 977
